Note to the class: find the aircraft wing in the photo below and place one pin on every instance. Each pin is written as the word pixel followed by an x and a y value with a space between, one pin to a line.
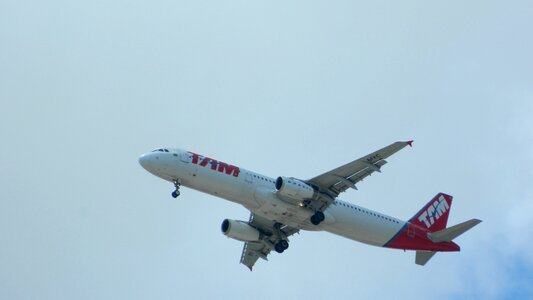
pixel 347 176
pixel 252 251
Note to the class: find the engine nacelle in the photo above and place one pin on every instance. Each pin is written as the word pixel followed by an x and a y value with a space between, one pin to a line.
pixel 240 230
pixel 294 188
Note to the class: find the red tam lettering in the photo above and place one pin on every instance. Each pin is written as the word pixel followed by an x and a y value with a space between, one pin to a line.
pixel 205 161
pixel 195 157
pixel 228 169
pixel 216 165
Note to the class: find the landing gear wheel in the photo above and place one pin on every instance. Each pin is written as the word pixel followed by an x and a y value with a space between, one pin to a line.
pixel 320 216
pixel 281 246
pixel 284 244
pixel 176 192
pixel 317 218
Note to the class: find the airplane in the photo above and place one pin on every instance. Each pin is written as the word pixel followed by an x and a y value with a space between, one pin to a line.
pixel 283 206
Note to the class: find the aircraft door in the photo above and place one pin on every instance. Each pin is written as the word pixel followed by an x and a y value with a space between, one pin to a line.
pixel 186 159
pixel 249 177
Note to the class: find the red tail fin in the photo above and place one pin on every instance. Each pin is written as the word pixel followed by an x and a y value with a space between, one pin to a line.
pixel 434 215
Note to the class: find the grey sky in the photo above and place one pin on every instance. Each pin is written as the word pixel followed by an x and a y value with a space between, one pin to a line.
pixel 281 88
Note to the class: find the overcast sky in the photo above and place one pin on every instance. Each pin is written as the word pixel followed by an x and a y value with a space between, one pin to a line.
pixel 281 88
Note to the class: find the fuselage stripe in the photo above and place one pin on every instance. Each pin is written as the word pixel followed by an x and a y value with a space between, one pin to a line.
pixel 396 235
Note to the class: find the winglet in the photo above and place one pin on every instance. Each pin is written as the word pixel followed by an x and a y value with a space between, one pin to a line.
pixel 410 143
pixel 250 268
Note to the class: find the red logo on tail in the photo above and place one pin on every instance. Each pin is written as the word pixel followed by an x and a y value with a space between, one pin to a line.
pixel 434 211
pixel 435 214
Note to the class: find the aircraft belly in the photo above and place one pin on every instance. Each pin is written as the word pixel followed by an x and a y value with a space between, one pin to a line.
pixel 361 227
pixel 272 208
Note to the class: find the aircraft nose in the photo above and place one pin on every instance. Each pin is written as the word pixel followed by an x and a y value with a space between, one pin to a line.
pixel 145 161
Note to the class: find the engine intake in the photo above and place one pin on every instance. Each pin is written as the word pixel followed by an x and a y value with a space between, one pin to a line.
pixel 294 188
pixel 240 230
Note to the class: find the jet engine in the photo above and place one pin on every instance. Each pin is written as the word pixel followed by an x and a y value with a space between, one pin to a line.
pixel 240 230
pixel 294 188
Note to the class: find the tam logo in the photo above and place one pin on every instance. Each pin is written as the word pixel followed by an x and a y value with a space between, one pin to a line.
pixel 215 165
pixel 434 211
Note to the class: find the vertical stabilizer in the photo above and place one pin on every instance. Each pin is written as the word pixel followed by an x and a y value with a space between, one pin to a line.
pixel 434 216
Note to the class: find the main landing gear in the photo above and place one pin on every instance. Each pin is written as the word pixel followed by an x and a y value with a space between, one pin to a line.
pixel 317 218
pixel 176 192
pixel 281 246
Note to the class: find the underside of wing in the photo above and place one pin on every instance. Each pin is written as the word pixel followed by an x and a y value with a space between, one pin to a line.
pixel 347 176
pixel 252 251
pixel 272 232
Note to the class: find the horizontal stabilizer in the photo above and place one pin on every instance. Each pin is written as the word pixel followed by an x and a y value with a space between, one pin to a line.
pixel 422 257
pixel 448 234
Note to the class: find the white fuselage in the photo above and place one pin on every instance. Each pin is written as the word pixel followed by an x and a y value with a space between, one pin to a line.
pixel 258 194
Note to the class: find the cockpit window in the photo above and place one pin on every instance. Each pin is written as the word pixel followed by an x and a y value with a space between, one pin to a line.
pixel 161 150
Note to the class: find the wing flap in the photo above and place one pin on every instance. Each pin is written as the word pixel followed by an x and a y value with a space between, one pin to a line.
pixel 252 251
pixel 347 176
pixel 349 182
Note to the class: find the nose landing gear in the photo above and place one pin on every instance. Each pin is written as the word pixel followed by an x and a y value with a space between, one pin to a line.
pixel 176 192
